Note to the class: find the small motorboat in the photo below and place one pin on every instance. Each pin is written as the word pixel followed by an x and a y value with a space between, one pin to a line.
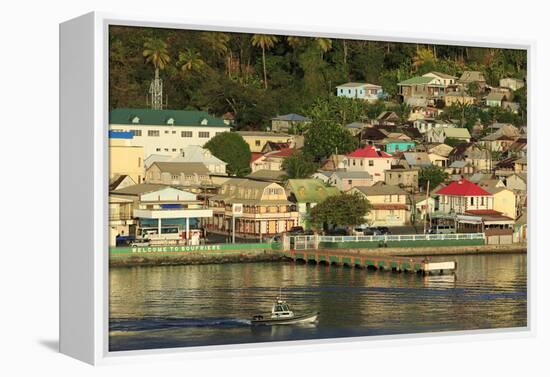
pixel 282 315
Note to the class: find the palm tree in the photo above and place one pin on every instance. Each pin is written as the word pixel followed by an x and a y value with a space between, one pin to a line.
pixel 190 60
pixel 265 42
pixel 423 56
pixel 324 44
pixel 218 43
pixel 155 52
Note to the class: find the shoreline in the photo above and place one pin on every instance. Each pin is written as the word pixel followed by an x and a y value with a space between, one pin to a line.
pixel 265 255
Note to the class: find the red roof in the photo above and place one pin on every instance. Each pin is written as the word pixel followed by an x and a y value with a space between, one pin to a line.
pixel 284 152
pixel 463 187
pixel 369 151
pixel 255 156
pixel 483 212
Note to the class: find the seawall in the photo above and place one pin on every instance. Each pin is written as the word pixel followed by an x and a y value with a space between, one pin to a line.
pixel 247 253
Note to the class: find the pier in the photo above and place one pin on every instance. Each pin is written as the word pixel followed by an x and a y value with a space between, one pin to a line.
pixel 357 259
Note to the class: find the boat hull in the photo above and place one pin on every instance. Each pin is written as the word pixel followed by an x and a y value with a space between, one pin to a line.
pixel 296 320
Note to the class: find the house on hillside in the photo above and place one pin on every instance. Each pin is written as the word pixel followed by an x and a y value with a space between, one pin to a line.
pixel 369 159
pixel 184 174
pixel 257 140
pixel 272 160
pixel 400 176
pixel 360 90
pixel 440 135
pixel 191 153
pixel 479 157
pixel 346 180
pixel 389 205
pixel 495 99
pixel 307 193
pixel 512 83
pixel 469 77
pixel 289 122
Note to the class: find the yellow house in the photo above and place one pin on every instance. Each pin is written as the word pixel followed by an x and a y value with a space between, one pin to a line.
pixel 458 98
pixel 388 205
pixel 257 139
pixel 504 200
pixel 125 159
pixel 265 209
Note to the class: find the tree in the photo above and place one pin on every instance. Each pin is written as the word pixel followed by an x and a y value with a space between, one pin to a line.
pixel 452 142
pixel 326 138
pixel 265 42
pixel 299 166
pixel 155 51
pixel 340 210
pixel 190 60
pixel 433 174
pixel 230 147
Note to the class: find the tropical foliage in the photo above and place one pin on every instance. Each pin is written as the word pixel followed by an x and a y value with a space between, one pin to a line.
pixel 221 72
pixel 433 174
pixel 299 166
pixel 230 147
pixel 344 210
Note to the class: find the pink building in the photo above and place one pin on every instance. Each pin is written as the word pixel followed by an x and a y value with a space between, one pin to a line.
pixel 369 159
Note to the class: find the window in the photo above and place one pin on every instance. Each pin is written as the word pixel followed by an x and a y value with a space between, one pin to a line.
pixel 175 177
pixel 136 132
pixel 174 150
pixel 482 201
pixel 186 133
pixel 153 133
pixel 371 162
pixel 472 201
pixel 204 134
pixel 139 162
pixel 158 149
pixel 258 143
pixel 166 149
pixel 173 132
pixel 350 181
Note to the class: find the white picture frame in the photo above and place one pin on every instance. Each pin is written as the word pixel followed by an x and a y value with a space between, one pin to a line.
pixel 84 177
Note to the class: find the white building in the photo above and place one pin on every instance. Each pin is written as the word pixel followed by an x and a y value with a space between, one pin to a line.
pixel 191 153
pixel 166 132
pixel 360 90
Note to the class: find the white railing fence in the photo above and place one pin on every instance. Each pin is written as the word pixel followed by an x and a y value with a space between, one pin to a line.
pixel 402 237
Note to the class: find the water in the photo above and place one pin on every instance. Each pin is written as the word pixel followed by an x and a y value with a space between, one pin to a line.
pixel 177 306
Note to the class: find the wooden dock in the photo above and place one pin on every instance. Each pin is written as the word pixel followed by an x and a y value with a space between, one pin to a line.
pixel 360 260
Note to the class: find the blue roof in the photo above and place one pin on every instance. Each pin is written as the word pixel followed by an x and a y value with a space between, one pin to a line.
pixel 292 118
pixel 121 135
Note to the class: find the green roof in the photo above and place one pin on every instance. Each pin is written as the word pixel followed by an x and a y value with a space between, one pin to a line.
pixel 310 190
pixel 418 80
pixel 164 118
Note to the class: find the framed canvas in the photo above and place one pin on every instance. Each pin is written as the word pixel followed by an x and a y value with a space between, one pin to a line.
pixel 246 188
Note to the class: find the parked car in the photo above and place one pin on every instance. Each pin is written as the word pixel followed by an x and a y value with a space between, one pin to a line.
pixel 383 229
pixel 140 242
pixel 337 232
pixel 299 231
pixel 371 231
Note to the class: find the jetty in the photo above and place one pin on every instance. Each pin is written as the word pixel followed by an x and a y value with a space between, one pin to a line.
pixel 363 260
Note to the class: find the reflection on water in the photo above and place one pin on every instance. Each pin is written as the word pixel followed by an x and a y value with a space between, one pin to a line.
pixel 176 306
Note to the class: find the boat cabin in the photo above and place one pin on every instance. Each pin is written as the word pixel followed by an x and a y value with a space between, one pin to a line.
pixel 281 310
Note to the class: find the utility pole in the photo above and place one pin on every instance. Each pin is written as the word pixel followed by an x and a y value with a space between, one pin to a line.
pixel 427 205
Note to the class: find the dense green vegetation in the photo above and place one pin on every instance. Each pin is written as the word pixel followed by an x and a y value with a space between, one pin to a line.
pixel 259 76
pixel 433 174
pixel 299 166
pixel 341 210
pixel 230 147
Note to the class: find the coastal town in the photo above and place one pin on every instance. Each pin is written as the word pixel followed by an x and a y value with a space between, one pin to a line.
pixel 415 160
pixel 375 187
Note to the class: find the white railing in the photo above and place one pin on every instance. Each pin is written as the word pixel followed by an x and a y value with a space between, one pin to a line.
pixel 403 237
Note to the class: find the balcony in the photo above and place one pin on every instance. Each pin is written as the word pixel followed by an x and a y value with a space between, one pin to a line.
pixel 172 213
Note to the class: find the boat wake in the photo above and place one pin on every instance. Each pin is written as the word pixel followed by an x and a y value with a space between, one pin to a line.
pixel 155 323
